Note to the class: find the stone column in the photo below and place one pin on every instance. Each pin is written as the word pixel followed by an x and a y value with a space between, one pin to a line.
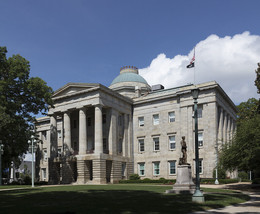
pixel 112 139
pixel 130 136
pixel 82 131
pixel 125 141
pixel 220 126
pixel 98 130
pixel 228 128
pixel 54 143
pixel 67 133
pixel 225 128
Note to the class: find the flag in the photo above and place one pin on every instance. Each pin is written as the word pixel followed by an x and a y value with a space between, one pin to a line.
pixel 192 62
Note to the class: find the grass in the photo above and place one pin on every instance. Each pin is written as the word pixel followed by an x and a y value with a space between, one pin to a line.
pixel 110 199
pixel 14 186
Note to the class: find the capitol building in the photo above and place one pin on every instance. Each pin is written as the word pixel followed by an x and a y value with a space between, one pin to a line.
pixel 96 134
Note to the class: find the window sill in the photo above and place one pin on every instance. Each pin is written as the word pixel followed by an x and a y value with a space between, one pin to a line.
pixel 156 151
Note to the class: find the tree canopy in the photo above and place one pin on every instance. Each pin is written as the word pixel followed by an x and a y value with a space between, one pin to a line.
pixel 257 81
pixel 244 151
pixel 21 98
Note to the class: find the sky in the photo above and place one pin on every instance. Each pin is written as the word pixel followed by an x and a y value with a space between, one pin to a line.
pixel 89 41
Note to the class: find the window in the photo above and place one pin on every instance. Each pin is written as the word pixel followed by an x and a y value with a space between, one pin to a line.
pixel 156 119
pixel 172 167
pixel 104 118
pixel 44 135
pixel 141 169
pixel 141 145
pixel 199 111
pixel 44 173
pixel 59 133
pixel 172 143
pixel 156 143
pixel 156 168
pixel 141 121
pixel 45 155
pixel 89 121
pixel 200 139
pixel 171 116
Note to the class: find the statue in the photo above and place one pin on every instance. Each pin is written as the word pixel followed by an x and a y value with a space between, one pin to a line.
pixel 183 160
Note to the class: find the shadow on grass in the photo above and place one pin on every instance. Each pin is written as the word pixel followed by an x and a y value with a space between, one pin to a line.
pixel 103 201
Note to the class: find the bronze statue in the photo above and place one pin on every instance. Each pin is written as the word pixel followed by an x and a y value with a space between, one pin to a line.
pixel 183 160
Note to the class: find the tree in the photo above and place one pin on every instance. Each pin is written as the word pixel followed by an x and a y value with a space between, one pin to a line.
pixel 21 98
pixel 257 81
pixel 244 151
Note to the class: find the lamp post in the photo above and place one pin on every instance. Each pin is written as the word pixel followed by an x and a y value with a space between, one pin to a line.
pixel 216 181
pixel 32 147
pixel 1 152
pixel 198 195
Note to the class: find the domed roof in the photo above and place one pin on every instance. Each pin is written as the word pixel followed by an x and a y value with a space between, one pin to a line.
pixel 129 74
pixel 129 77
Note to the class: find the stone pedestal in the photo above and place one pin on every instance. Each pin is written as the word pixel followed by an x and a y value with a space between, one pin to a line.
pixel 184 183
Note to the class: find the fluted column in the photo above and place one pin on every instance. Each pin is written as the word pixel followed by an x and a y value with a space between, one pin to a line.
pixel 82 131
pixel 98 130
pixel 54 143
pixel 228 128
pixel 225 128
pixel 67 132
pixel 125 141
pixel 112 132
pixel 220 126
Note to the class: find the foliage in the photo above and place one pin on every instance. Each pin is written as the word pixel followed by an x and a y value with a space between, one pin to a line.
pixel 221 181
pixel 221 173
pixel 148 181
pixel 256 181
pixel 247 110
pixel 243 175
pixel 21 97
pixel 257 81
pixel 134 177
pixel 244 151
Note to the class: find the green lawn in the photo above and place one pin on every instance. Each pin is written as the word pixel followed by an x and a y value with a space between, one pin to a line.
pixel 109 199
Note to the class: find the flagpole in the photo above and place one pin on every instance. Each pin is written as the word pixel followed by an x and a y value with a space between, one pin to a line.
pixel 194 69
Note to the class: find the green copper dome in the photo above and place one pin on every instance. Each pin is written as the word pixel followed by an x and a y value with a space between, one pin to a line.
pixel 129 77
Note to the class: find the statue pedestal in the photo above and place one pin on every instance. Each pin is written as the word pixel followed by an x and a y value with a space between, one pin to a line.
pixel 184 183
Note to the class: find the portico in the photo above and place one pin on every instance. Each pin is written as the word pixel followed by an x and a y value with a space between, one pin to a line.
pixel 89 143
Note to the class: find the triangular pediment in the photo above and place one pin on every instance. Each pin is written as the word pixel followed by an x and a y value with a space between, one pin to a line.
pixel 73 88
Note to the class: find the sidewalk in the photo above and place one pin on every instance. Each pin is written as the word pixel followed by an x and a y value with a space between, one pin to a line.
pixel 250 207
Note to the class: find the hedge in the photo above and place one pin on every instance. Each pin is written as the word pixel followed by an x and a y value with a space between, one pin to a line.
pixel 147 180
pixel 172 181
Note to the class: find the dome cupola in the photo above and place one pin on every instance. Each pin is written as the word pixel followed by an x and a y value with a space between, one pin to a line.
pixel 128 81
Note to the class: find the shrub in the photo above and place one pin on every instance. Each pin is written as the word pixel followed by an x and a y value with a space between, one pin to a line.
pixel 27 180
pixel 243 175
pixel 221 173
pixel 256 181
pixel 134 177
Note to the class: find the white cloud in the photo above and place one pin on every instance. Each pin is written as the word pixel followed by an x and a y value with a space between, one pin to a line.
pixel 231 61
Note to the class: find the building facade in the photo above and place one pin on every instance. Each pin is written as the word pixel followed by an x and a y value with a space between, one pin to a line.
pixel 98 134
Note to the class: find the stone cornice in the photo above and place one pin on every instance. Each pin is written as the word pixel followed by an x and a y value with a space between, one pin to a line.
pixel 95 87
pixel 175 92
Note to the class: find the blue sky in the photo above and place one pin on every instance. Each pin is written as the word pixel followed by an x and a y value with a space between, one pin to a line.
pixel 88 41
